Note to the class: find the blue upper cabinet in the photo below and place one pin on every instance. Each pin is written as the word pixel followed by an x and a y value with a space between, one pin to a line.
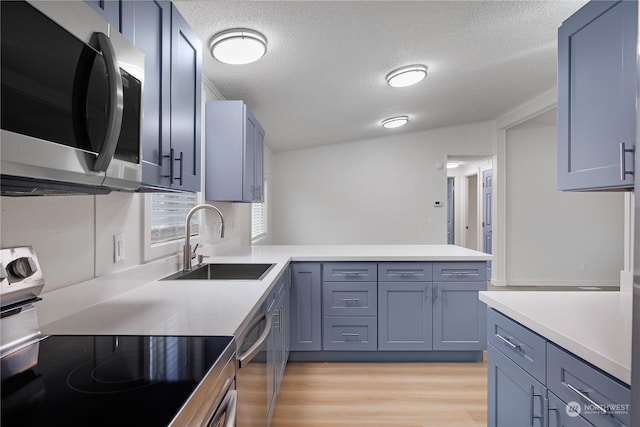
pixel 234 153
pixel 186 95
pixel 596 96
pixel 148 25
pixel 109 9
pixel 171 125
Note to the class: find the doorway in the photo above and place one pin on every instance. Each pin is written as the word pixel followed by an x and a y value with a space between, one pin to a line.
pixel 471 217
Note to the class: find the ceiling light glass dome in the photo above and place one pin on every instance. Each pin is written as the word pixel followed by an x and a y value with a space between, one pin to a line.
pixel 394 122
pixel 406 76
pixel 238 46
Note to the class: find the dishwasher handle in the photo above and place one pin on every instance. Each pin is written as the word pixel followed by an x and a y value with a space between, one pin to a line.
pixel 248 355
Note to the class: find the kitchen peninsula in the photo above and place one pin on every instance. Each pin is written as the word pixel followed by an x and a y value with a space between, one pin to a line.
pixel 200 307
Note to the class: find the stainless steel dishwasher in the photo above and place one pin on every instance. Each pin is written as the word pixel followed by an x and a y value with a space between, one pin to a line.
pixel 252 375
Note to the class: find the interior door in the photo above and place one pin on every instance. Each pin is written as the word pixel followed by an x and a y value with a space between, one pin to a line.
pixel 487 224
pixel 450 210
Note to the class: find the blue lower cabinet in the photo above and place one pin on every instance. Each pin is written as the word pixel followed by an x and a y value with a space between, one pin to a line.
pixel 562 414
pixel 459 317
pixel 515 398
pixel 570 393
pixel 306 307
pixel 350 334
pixel 404 316
pixel 599 398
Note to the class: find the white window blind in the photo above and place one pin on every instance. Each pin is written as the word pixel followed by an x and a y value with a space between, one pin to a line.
pixel 168 215
pixel 259 218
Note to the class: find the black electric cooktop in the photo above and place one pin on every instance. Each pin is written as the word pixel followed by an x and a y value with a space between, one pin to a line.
pixel 107 380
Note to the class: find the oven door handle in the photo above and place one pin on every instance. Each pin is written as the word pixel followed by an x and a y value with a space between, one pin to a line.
pixel 229 407
pixel 248 355
pixel 116 104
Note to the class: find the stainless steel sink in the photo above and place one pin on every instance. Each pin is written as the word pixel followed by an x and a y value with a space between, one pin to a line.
pixel 223 272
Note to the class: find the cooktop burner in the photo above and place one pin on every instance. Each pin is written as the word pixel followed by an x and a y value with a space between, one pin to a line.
pixel 108 380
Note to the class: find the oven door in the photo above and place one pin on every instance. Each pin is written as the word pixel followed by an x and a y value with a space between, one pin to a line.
pixel 71 97
pixel 252 374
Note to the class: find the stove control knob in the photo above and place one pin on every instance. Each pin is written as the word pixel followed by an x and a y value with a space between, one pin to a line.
pixel 22 268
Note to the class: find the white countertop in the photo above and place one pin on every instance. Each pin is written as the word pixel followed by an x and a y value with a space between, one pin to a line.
pixel 201 307
pixel 595 326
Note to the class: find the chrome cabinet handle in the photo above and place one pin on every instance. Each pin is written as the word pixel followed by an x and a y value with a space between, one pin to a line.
pixel 350 334
pixel 461 273
pixel 586 398
pixel 508 342
pixel 347 301
pixel 403 273
pixel 533 416
pixel 623 161
pixel 248 355
pixel 116 104
pixel 350 273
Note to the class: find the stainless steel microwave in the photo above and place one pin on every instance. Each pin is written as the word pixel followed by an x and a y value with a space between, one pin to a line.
pixel 71 101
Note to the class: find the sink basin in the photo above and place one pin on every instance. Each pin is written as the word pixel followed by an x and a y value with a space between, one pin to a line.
pixel 223 272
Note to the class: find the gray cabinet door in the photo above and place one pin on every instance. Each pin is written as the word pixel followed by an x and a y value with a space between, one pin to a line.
pixel 596 95
pixel 253 159
pixel 258 159
pixel 404 316
pixel 108 9
pixel 234 153
pixel 459 317
pixel 186 93
pixel 148 25
pixel 514 397
pixel 305 314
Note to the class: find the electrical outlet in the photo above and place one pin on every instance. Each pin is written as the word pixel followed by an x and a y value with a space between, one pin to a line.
pixel 437 204
pixel 118 248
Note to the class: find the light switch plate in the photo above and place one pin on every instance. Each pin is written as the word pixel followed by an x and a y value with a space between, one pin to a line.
pixel 118 248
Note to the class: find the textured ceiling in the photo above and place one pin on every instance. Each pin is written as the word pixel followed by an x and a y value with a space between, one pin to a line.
pixel 322 79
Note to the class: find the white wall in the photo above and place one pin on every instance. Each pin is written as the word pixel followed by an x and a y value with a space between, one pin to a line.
pixel 376 191
pixel 73 235
pixel 553 237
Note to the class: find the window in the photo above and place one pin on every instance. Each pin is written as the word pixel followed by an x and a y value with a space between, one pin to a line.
pixel 165 215
pixel 259 218
pixel 168 214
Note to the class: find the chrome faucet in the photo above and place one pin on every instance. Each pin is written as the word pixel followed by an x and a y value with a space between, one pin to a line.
pixel 186 251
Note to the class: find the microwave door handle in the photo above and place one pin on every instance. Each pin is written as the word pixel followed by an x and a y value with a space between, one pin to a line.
pixel 116 104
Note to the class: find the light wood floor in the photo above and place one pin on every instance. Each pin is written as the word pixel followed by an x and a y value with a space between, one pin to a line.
pixel 382 395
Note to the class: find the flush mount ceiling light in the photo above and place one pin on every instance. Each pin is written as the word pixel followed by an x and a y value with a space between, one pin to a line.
pixel 238 46
pixel 406 76
pixel 394 122
pixel 452 165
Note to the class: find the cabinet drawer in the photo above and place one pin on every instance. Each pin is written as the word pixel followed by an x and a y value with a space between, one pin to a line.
pixel 350 299
pixel 349 272
pixel 602 399
pixel 518 343
pixel 460 272
pixel 558 414
pixel 350 333
pixel 405 272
